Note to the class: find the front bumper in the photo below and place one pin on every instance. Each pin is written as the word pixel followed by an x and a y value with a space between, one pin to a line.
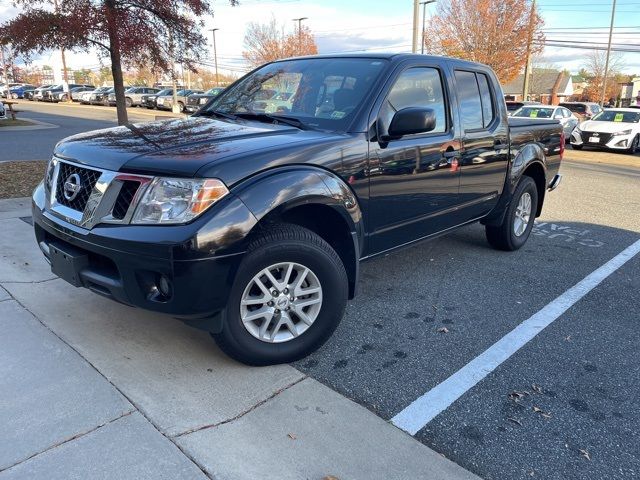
pixel 126 262
pixel 605 140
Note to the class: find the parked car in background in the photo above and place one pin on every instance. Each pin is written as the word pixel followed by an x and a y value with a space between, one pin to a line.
pixel 567 119
pixel 195 101
pixel 18 91
pixel 85 97
pixel 513 106
pixel 28 94
pixel 3 88
pixel 38 92
pixel 77 92
pixel 101 96
pixel 613 129
pixel 165 102
pixel 133 95
pixel 149 101
pixel 58 94
pixel 582 110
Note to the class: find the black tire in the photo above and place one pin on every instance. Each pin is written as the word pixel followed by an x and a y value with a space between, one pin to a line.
pixel 181 107
pixel 285 243
pixel 633 148
pixel 128 102
pixel 576 147
pixel 503 237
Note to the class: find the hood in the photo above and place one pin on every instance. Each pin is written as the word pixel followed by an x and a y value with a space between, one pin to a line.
pixel 606 127
pixel 175 147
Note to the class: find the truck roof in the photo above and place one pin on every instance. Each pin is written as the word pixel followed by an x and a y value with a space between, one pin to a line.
pixel 383 55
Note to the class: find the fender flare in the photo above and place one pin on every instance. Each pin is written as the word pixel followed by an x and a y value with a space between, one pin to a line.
pixel 528 155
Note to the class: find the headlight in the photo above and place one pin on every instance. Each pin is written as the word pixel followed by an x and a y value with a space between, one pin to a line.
pixel 623 132
pixel 203 101
pixel 177 200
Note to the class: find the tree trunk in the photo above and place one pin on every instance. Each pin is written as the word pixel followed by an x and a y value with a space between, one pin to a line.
pixel 116 62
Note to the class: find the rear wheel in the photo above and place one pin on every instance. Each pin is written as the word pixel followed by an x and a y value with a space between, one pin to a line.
pixel 287 298
pixel 576 147
pixel 128 102
pixel 518 220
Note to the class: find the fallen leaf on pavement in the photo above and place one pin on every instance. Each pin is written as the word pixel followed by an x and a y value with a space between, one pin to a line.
pixel 515 395
pixel 292 436
pixel 546 415
pixel 330 477
pixel 515 420
pixel 537 409
pixel 536 388
pixel 443 330
pixel 585 454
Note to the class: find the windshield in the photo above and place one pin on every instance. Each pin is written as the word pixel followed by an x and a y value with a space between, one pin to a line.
pixel 318 92
pixel 166 91
pixel 616 116
pixel 534 112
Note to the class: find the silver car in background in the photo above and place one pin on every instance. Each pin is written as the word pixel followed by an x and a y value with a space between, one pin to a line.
pixel 567 119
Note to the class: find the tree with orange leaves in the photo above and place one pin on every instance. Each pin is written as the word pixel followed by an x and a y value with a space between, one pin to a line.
pixel 493 32
pixel 268 42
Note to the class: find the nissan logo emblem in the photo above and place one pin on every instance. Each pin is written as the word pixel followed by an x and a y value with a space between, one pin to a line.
pixel 72 186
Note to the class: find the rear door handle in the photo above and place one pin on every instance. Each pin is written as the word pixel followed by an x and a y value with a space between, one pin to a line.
pixel 451 154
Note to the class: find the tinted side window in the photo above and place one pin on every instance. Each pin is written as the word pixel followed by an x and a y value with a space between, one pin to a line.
pixel 487 101
pixel 417 87
pixel 469 98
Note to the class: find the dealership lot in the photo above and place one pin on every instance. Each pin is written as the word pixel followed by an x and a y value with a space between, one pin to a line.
pixel 563 406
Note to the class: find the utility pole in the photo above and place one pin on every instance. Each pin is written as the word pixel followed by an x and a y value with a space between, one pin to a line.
pixel 527 67
pixel 416 25
pixel 65 74
pixel 299 20
pixel 215 54
pixel 606 65
pixel 424 14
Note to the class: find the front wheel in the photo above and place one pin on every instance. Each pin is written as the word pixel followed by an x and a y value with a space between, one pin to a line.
pixel 288 297
pixel 633 148
pixel 518 220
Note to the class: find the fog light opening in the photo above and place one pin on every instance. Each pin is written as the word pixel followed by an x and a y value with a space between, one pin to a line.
pixel 164 286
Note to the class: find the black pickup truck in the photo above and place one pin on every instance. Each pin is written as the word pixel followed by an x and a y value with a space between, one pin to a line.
pixel 251 224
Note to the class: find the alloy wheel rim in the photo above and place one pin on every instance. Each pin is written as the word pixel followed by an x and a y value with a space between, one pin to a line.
pixel 281 302
pixel 523 214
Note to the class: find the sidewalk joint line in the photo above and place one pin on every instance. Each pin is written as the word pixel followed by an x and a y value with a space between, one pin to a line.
pixel 241 414
pixel 70 439
pixel 134 404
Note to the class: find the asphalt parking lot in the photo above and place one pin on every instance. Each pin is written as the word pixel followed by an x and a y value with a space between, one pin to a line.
pixel 582 372
pixel 564 406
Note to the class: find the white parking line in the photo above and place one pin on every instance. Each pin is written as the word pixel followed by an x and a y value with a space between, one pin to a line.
pixel 440 397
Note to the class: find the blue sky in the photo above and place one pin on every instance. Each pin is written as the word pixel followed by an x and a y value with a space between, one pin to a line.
pixel 385 25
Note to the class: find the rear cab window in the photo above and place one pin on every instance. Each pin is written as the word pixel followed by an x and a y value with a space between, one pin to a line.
pixel 477 106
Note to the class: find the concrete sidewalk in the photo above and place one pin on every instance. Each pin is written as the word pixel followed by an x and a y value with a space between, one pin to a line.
pixel 93 389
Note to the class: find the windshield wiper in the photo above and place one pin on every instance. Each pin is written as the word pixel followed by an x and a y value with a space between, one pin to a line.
pixel 218 113
pixel 292 121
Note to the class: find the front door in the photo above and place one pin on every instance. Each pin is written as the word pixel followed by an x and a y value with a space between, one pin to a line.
pixel 414 179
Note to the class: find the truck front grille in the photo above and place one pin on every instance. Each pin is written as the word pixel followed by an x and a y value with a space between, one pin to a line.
pixel 125 197
pixel 89 196
pixel 85 178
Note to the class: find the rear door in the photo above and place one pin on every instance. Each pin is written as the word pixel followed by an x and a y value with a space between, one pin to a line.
pixel 485 142
pixel 413 180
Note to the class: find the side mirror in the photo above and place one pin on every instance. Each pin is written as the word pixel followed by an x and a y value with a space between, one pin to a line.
pixel 412 120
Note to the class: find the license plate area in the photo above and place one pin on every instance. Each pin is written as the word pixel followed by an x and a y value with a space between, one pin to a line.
pixel 594 140
pixel 67 262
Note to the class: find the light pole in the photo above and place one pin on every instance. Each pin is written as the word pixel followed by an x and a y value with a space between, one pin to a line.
pixel 424 14
pixel 215 54
pixel 299 20
pixel 606 65
pixel 527 67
